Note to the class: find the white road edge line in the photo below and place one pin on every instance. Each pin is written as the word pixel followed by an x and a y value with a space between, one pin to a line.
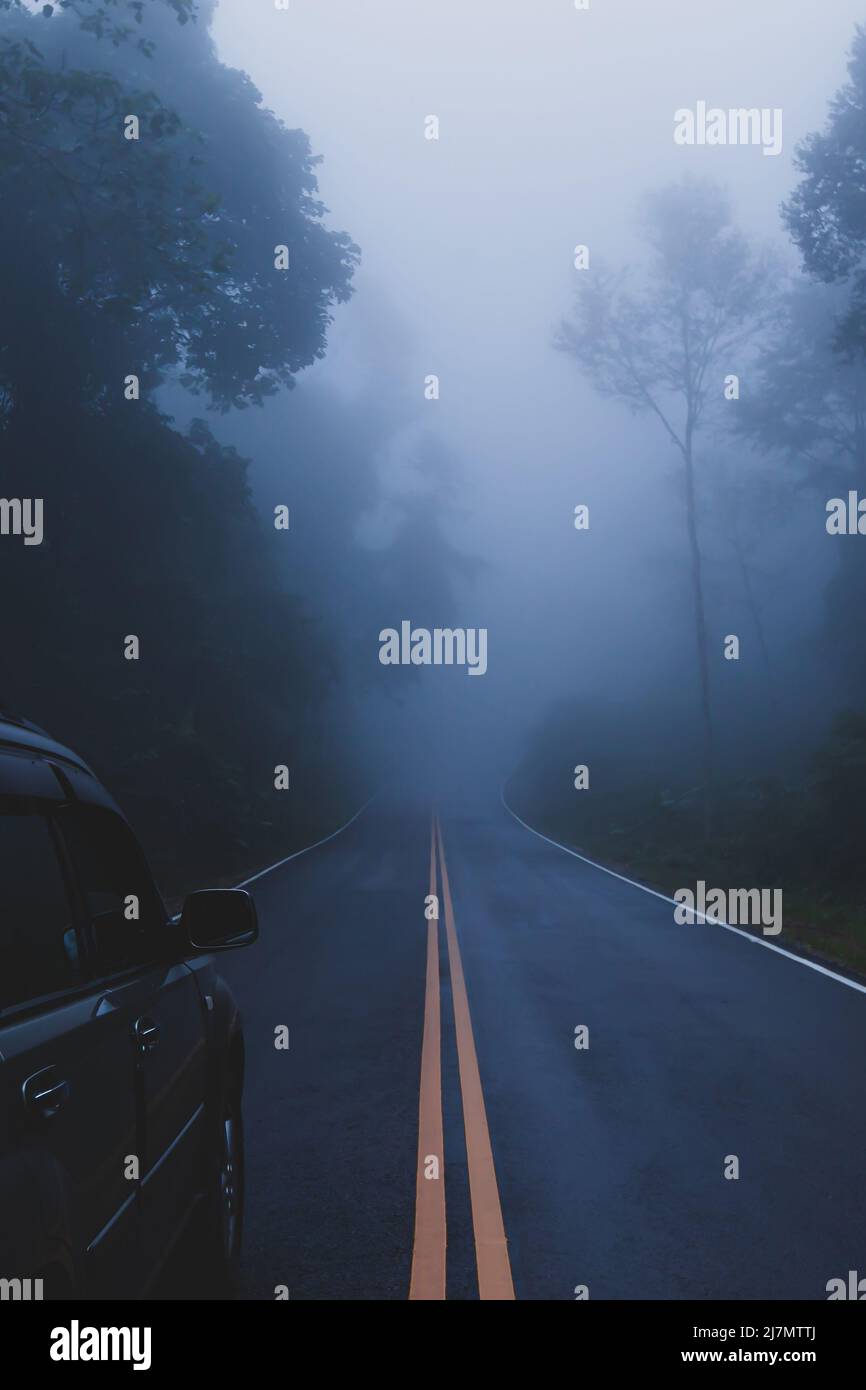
pixel 307 848
pixel 755 940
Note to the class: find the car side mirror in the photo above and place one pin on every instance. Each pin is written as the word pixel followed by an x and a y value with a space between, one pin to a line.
pixel 219 919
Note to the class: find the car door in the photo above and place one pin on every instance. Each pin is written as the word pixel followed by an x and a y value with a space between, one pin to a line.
pixel 67 1109
pixel 140 954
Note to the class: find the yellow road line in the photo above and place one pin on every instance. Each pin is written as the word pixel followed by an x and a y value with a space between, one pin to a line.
pixel 491 1245
pixel 428 1251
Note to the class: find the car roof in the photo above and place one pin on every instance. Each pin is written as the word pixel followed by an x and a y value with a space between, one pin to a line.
pixel 18 733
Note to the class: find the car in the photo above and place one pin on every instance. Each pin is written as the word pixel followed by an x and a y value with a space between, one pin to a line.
pixel 121 1047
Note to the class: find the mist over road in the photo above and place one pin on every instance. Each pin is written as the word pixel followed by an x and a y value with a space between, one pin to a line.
pixel 609 1161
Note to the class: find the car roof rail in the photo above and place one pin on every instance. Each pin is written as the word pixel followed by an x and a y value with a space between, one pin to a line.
pixel 7 717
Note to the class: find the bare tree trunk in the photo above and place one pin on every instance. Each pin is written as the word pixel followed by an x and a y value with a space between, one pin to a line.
pixel 700 635
pixel 755 612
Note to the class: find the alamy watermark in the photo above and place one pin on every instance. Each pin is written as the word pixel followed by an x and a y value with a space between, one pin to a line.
pixel 739 125
pixel 439 646
pixel 846 517
pixel 744 907
pixel 22 516
pixel 851 1288
pixel 77 1343
pixel 21 1290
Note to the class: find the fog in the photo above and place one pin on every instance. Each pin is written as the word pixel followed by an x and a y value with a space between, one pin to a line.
pixel 553 123
pixel 557 135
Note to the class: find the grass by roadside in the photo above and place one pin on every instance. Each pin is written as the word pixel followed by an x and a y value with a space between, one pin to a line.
pixel 304 839
pixel 662 852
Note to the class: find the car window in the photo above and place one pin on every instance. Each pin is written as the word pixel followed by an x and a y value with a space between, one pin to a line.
pixel 127 915
pixel 39 948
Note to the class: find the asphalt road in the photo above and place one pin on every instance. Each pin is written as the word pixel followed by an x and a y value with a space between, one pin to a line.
pixel 606 1164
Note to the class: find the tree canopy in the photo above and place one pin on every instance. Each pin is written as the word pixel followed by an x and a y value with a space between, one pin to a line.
pixel 826 215
pixel 154 258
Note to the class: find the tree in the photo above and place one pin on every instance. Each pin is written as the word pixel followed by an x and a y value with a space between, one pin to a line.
pixel 169 239
pixel 111 19
pixel 741 498
pixel 155 258
pixel 661 340
pixel 826 215
pixel 806 404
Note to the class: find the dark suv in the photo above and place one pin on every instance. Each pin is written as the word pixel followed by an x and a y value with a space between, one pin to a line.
pixel 121 1052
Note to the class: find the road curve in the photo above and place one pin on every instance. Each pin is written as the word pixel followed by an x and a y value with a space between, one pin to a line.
pixel 609 1161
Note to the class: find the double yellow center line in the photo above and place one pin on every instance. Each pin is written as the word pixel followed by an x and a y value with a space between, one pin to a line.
pixel 491 1246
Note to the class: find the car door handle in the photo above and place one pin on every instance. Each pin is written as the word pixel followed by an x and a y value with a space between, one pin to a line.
pixel 44 1094
pixel 146 1034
